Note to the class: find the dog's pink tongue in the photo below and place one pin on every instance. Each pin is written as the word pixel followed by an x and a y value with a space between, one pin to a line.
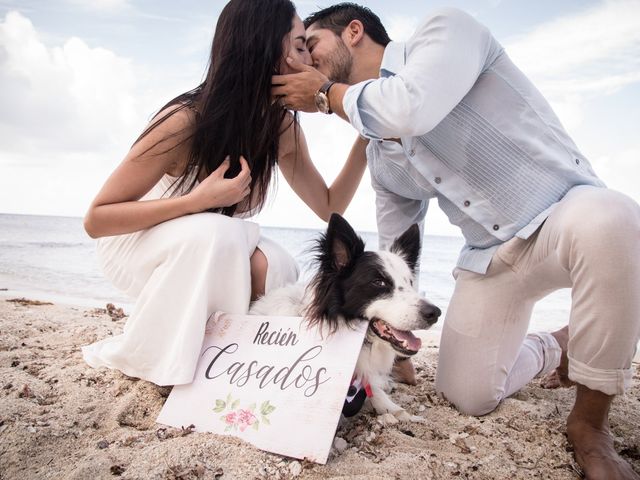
pixel 413 343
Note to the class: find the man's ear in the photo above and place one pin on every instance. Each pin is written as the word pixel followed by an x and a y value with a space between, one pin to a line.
pixel 353 33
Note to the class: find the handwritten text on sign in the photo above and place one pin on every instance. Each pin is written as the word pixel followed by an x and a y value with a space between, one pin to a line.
pixel 269 381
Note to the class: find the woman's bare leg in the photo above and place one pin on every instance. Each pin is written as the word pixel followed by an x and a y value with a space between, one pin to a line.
pixel 259 265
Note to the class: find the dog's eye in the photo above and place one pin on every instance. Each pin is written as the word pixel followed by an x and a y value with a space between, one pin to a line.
pixel 379 282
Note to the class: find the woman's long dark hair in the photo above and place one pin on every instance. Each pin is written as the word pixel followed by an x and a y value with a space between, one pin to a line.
pixel 234 111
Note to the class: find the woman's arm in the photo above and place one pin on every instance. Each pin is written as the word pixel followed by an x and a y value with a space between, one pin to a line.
pixel 303 177
pixel 117 209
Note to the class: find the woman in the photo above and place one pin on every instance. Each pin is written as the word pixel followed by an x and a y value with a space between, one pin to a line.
pixel 167 218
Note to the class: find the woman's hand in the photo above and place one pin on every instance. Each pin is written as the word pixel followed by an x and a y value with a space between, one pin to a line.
pixel 215 191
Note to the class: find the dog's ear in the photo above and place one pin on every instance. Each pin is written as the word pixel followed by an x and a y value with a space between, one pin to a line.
pixel 336 251
pixel 407 246
pixel 342 244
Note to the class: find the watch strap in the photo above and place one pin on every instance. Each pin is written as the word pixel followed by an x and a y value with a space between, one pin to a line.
pixel 324 89
pixel 326 86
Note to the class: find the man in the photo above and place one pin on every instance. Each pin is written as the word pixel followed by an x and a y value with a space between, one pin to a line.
pixel 452 118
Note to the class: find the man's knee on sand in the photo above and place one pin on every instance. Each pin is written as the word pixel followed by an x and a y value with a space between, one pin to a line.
pixel 470 399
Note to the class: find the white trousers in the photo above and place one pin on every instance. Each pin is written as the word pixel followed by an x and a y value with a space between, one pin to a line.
pixel 591 244
pixel 180 272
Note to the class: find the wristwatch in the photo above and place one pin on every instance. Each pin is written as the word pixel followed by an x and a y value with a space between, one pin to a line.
pixel 322 98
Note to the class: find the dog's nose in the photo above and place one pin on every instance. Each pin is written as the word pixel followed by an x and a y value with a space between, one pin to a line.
pixel 429 313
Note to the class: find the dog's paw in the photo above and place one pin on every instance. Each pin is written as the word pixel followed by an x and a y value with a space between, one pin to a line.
pixel 403 415
pixel 387 419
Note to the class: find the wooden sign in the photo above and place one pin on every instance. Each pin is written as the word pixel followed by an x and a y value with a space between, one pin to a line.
pixel 270 381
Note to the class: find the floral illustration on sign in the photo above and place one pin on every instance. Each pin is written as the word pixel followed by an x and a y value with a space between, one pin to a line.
pixel 241 418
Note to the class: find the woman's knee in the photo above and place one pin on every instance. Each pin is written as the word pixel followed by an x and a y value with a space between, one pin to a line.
pixel 282 267
pixel 259 266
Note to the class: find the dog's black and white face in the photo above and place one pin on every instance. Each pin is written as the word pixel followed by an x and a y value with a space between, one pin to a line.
pixel 352 284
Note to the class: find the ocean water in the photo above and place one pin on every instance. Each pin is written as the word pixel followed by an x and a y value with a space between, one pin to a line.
pixel 52 258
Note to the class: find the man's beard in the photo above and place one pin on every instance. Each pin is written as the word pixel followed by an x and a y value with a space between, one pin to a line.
pixel 340 63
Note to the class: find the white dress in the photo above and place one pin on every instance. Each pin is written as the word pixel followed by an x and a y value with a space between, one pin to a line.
pixel 180 272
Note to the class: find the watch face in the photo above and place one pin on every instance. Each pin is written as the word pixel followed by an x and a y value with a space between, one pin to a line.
pixel 322 102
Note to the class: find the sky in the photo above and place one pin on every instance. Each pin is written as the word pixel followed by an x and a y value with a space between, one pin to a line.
pixel 79 80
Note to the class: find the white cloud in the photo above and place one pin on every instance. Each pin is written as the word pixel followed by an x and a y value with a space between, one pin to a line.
pixel 594 52
pixel 63 98
pixel 69 114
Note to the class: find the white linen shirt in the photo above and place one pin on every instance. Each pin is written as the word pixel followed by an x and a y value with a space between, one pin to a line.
pixel 476 134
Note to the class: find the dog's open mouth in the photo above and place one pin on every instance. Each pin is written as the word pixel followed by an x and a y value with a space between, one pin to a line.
pixel 403 341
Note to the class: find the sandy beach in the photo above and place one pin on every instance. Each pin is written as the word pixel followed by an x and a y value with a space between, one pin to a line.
pixel 60 418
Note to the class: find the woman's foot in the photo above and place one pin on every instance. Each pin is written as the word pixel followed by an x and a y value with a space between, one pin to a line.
pixel 404 372
pixel 560 376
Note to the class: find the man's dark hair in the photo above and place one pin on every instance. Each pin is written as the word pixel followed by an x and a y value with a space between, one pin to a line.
pixel 337 17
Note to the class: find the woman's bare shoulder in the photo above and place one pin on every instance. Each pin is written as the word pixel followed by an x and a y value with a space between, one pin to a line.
pixel 174 119
pixel 168 136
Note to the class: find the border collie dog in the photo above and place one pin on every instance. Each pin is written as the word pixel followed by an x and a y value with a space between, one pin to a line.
pixel 353 285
